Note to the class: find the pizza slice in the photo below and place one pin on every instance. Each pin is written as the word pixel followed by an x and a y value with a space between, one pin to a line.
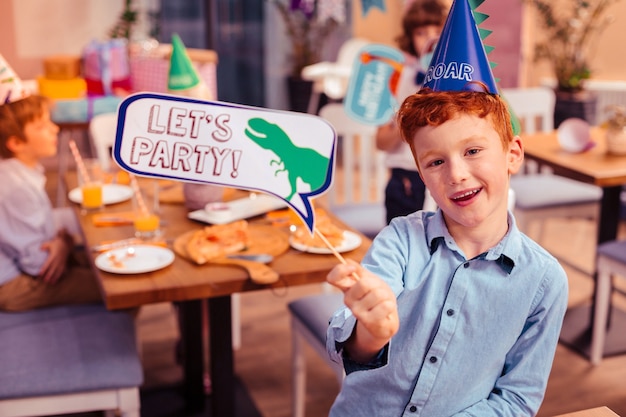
pixel 324 224
pixel 217 241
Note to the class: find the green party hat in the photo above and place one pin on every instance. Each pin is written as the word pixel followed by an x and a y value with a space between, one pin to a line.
pixel 182 75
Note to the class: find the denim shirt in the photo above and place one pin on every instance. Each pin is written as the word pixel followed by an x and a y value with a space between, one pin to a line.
pixel 26 219
pixel 477 336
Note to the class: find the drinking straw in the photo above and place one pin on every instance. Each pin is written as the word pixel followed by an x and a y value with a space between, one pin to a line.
pixel 82 169
pixel 138 195
pixel 334 251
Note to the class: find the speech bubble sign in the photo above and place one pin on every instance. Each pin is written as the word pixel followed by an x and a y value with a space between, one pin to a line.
pixel 371 95
pixel 289 155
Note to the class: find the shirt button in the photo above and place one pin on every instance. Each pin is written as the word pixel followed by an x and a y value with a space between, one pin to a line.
pixel 450 312
pixel 433 359
pixel 466 265
pixel 412 408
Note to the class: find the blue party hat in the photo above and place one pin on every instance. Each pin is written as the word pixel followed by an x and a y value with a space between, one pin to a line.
pixel 460 61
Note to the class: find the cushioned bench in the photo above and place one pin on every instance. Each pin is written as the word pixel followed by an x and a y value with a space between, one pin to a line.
pixel 68 359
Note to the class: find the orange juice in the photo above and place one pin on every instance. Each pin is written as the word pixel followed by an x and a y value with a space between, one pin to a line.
pixel 122 177
pixel 92 195
pixel 146 225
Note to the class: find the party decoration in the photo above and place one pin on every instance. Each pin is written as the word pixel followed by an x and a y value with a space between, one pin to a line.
pixel 480 18
pixel 11 87
pixel 371 95
pixel 366 5
pixel 460 62
pixel 287 154
pixel 182 74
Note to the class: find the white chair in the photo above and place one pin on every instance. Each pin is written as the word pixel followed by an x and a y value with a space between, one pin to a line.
pixel 309 320
pixel 610 264
pixel 539 194
pixel 102 128
pixel 331 78
pixel 358 192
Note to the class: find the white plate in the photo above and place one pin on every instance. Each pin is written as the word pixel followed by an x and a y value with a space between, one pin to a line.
pixel 244 208
pixel 111 194
pixel 146 258
pixel 350 241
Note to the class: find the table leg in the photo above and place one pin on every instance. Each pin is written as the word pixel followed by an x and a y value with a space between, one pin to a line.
pixel 577 326
pixel 222 368
pixel 190 318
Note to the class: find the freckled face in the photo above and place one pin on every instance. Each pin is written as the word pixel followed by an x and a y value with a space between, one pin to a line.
pixel 41 139
pixel 466 169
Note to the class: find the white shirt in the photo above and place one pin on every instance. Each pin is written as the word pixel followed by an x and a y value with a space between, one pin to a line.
pixel 26 219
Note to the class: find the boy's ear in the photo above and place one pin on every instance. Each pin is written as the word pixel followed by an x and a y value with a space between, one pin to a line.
pixel 515 157
pixel 14 144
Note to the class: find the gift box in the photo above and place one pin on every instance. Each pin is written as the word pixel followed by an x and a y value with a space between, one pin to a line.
pixel 149 68
pixel 105 67
pixel 82 110
pixel 61 67
pixel 62 89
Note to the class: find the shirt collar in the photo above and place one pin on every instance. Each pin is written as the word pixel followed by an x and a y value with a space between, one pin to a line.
pixel 504 253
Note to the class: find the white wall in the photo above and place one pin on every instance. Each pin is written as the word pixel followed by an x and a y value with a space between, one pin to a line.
pixel 33 29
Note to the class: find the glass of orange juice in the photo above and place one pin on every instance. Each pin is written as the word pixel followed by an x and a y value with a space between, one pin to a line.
pixel 146 218
pixel 91 187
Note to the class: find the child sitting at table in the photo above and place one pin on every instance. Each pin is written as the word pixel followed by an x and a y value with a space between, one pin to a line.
pixel 37 266
pixel 454 312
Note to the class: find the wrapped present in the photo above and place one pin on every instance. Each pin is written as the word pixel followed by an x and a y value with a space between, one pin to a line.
pixel 61 67
pixel 65 89
pixel 82 110
pixel 149 67
pixel 106 67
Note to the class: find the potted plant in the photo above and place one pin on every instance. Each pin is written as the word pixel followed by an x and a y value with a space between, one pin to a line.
pixel 308 23
pixel 571 30
pixel 124 26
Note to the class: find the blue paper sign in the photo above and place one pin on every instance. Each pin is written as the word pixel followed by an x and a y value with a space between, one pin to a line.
pixel 371 96
pixel 286 154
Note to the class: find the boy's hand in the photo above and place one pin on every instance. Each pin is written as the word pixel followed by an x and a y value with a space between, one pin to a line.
pixel 373 303
pixel 59 249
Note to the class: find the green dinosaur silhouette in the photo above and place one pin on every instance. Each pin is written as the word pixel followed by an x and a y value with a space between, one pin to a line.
pixel 304 163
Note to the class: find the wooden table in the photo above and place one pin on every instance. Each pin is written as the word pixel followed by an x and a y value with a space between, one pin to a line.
pixel 188 285
pixel 609 172
pixel 592 412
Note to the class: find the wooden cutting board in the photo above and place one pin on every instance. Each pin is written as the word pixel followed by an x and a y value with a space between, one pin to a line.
pixel 262 239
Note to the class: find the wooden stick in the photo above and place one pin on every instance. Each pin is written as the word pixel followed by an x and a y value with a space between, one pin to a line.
pixel 334 251
pixel 82 169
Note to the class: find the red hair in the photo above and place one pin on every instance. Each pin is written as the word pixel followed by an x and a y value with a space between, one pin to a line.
pixel 430 108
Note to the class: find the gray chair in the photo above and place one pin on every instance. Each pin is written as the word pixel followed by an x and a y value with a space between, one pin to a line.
pixel 540 194
pixel 69 359
pixel 610 264
pixel 309 320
